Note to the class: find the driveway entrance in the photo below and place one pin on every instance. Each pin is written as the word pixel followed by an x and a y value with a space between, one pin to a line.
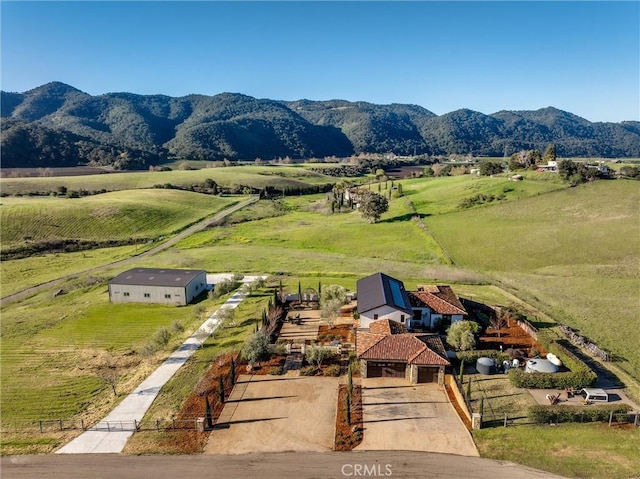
pixel 277 414
pixel 399 415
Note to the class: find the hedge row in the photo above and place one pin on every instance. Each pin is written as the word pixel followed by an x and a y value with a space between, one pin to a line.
pixel 557 414
pixel 470 357
pixel 579 376
pixel 576 380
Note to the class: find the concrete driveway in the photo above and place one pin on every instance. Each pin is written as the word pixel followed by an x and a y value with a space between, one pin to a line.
pixel 399 415
pixel 277 414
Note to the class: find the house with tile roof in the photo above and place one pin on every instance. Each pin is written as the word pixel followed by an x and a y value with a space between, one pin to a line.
pixel 387 350
pixel 435 307
pixel 382 297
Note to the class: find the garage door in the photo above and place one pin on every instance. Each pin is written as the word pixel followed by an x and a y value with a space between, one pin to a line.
pixel 427 375
pixel 385 370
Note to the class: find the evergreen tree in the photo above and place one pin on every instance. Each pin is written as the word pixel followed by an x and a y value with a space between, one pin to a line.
pixel 221 390
pixel 232 372
pixel 207 413
pixel 462 372
pixel 550 153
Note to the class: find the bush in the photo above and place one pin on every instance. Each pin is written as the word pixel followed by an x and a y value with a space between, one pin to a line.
pixel 557 414
pixel 276 370
pixel 308 371
pixel 470 357
pixel 576 380
pixel 161 337
pixel 333 370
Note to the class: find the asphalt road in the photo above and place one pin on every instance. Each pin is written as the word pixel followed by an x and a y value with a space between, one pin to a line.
pixel 167 244
pixel 311 465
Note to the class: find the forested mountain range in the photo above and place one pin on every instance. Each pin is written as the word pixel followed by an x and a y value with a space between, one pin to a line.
pixel 58 125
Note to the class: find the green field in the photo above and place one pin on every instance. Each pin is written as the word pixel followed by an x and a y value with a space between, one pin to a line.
pixel 572 253
pixel 254 176
pixel 110 216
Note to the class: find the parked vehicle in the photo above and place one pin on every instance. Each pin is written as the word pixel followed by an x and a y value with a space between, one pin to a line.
pixel 594 395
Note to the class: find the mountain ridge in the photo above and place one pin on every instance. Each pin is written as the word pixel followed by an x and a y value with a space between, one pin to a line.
pixel 57 116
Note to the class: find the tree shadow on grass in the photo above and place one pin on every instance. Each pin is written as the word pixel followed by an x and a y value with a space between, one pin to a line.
pixel 405 217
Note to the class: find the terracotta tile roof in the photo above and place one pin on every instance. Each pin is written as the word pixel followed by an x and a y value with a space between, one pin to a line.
pixel 406 347
pixel 387 327
pixel 440 299
pixel 364 340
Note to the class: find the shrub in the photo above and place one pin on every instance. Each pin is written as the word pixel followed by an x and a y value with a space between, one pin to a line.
pixel 576 380
pixel 557 414
pixel 177 327
pixel 308 371
pixel 256 348
pixel 161 337
pixel 470 357
pixel 276 370
pixel 333 370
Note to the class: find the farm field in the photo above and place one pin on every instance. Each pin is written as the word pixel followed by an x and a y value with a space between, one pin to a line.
pixel 571 253
pixel 254 176
pixel 110 216
pixel 20 274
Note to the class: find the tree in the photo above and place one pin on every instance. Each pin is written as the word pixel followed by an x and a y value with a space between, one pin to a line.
pixel 460 335
pixel 372 206
pixel 428 172
pixel 256 348
pixel 461 377
pixel 333 297
pixel 380 173
pixel 108 372
pixel 550 153
pixel 221 389
pixel 488 168
pixel 232 372
pixel 316 354
pixel 498 321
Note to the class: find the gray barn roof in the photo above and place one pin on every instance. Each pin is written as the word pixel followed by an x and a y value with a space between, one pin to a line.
pixel 157 277
pixel 380 290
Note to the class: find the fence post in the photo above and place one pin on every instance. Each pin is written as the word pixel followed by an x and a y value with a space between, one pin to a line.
pixel 173 423
pixel 505 419
pixel 135 424
pixel 82 424
pixel 40 426
pixel 635 421
pixel 60 420
pixel 610 418
pixel 158 425
pixel 108 426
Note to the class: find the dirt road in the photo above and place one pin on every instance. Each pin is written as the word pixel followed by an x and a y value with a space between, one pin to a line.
pixel 167 244
pixel 318 465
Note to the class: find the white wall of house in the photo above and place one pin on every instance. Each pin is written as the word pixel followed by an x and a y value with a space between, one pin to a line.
pixel 383 312
pixel 431 319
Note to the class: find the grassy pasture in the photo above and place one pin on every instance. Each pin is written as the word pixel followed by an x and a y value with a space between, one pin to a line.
pixel 57 343
pixel 254 176
pixel 20 274
pixel 110 216
pixel 572 253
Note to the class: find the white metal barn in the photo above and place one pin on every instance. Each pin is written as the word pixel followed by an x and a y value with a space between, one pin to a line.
pixel 155 285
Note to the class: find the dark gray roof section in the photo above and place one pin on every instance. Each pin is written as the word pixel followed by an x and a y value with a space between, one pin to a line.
pixel 380 290
pixel 157 277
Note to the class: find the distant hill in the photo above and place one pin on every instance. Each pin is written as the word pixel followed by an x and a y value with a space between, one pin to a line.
pixel 58 125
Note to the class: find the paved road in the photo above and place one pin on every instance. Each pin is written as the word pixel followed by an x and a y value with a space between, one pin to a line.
pixel 308 465
pixel 167 244
pixel 112 433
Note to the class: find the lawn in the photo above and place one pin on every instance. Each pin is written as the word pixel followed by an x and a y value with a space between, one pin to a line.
pixel 572 450
pixel 110 216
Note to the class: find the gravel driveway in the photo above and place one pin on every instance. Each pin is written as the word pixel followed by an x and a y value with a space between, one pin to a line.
pixel 399 415
pixel 277 414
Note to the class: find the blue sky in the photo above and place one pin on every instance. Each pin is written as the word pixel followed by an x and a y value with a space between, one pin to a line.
pixel 583 57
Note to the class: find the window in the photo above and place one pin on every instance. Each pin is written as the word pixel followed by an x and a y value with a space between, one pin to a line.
pixel 125 294
pixel 402 318
pixel 147 295
pixel 375 316
pixel 167 296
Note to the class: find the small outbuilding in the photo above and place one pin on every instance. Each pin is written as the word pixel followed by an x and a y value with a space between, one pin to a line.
pixel 157 285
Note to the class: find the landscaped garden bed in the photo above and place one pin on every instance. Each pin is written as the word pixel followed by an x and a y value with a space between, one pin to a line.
pixel 349 432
